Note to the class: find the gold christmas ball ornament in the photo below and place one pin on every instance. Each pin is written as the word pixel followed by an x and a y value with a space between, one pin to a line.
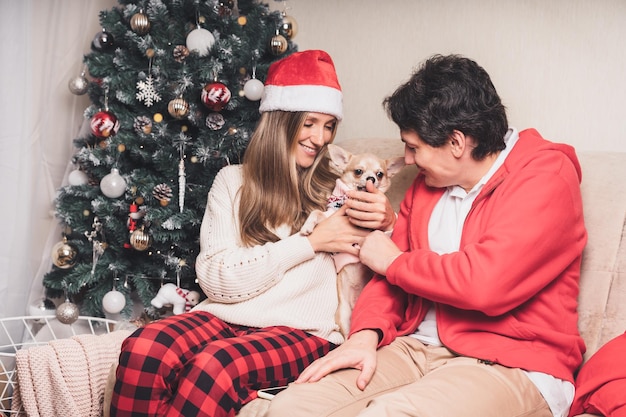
pixel 289 26
pixel 150 53
pixel 139 23
pixel 242 20
pixel 278 44
pixel 64 254
pixel 158 117
pixel 140 239
pixel 178 108
pixel 67 312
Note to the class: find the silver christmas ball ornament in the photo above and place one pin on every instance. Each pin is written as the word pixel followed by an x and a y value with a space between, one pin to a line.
pixel 200 41
pixel 253 89
pixel 77 177
pixel 103 42
pixel 67 312
pixel 78 85
pixel 113 302
pixel 113 185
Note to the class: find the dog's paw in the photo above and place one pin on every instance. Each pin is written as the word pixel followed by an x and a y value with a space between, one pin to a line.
pixel 314 218
pixel 307 229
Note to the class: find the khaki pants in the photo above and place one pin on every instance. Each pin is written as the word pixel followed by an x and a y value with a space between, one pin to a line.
pixel 413 379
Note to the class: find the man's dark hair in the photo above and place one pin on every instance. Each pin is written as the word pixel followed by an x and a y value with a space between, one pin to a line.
pixel 448 93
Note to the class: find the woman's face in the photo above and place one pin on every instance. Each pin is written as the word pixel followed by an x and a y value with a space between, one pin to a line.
pixel 316 132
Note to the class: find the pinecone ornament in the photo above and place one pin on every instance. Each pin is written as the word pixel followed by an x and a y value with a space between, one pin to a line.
pixel 215 121
pixel 163 193
pixel 142 124
pixel 180 53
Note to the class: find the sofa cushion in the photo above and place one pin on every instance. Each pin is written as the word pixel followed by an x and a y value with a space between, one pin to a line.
pixel 601 382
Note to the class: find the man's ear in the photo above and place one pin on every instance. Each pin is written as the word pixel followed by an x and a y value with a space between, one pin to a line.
pixel 458 143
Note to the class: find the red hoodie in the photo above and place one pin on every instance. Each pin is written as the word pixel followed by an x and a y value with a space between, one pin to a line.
pixel 509 295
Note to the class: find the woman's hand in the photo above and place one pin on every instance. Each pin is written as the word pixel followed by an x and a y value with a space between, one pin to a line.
pixel 358 352
pixel 370 209
pixel 337 234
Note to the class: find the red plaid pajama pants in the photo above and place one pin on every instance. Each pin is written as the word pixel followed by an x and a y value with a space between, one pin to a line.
pixel 194 364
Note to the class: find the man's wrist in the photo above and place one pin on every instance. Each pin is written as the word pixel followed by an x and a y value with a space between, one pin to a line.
pixel 368 336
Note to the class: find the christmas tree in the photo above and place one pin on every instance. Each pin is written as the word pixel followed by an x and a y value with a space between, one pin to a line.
pixel 174 87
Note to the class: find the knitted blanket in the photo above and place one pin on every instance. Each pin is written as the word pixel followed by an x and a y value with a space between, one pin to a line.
pixel 65 377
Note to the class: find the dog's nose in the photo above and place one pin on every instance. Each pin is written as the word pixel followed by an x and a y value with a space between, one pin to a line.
pixel 372 179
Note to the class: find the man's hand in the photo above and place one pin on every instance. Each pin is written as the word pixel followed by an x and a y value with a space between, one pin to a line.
pixel 378 252
pixel 370 209
pixel 358 352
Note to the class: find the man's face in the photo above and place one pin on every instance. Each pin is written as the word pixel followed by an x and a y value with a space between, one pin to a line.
pixel 438 165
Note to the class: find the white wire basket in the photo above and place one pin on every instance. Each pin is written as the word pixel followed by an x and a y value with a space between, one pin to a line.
pixel 26 331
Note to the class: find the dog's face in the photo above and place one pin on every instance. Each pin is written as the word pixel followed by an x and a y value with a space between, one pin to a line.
pixel 357 169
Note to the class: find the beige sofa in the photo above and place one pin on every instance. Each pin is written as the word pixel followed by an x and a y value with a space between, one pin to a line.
pixel 603 282
pixel 602 299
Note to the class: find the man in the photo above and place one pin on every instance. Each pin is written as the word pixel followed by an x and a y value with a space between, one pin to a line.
pixel 472 311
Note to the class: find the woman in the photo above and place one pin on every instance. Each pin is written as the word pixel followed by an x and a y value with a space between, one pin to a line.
pixel 271 292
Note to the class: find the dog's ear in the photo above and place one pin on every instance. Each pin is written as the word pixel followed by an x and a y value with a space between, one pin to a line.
pixel 339 156
pixel 394 165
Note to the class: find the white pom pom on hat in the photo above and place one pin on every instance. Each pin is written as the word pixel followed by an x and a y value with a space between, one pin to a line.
pixel 303 81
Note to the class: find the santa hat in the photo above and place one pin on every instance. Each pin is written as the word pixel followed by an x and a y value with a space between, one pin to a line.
pixel 303 81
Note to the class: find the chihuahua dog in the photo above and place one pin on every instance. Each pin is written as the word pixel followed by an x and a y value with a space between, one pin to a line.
pixel 355 170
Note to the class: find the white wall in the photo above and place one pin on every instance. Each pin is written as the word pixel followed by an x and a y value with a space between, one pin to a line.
pixel 559 65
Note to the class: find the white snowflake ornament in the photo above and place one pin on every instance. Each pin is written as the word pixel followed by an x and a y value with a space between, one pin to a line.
pixel 147 94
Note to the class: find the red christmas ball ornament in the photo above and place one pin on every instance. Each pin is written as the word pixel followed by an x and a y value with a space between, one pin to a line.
pixel 215 96
pixel 104 124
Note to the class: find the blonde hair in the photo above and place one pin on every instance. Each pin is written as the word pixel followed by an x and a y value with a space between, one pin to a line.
pixel 275 190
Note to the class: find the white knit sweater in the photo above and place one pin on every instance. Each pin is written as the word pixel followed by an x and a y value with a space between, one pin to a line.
pixel 282 283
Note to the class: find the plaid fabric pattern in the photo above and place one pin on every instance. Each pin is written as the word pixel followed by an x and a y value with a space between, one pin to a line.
pixel 194 364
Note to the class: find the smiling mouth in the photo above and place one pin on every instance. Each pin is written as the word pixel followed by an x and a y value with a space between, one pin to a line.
pixel 309 150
